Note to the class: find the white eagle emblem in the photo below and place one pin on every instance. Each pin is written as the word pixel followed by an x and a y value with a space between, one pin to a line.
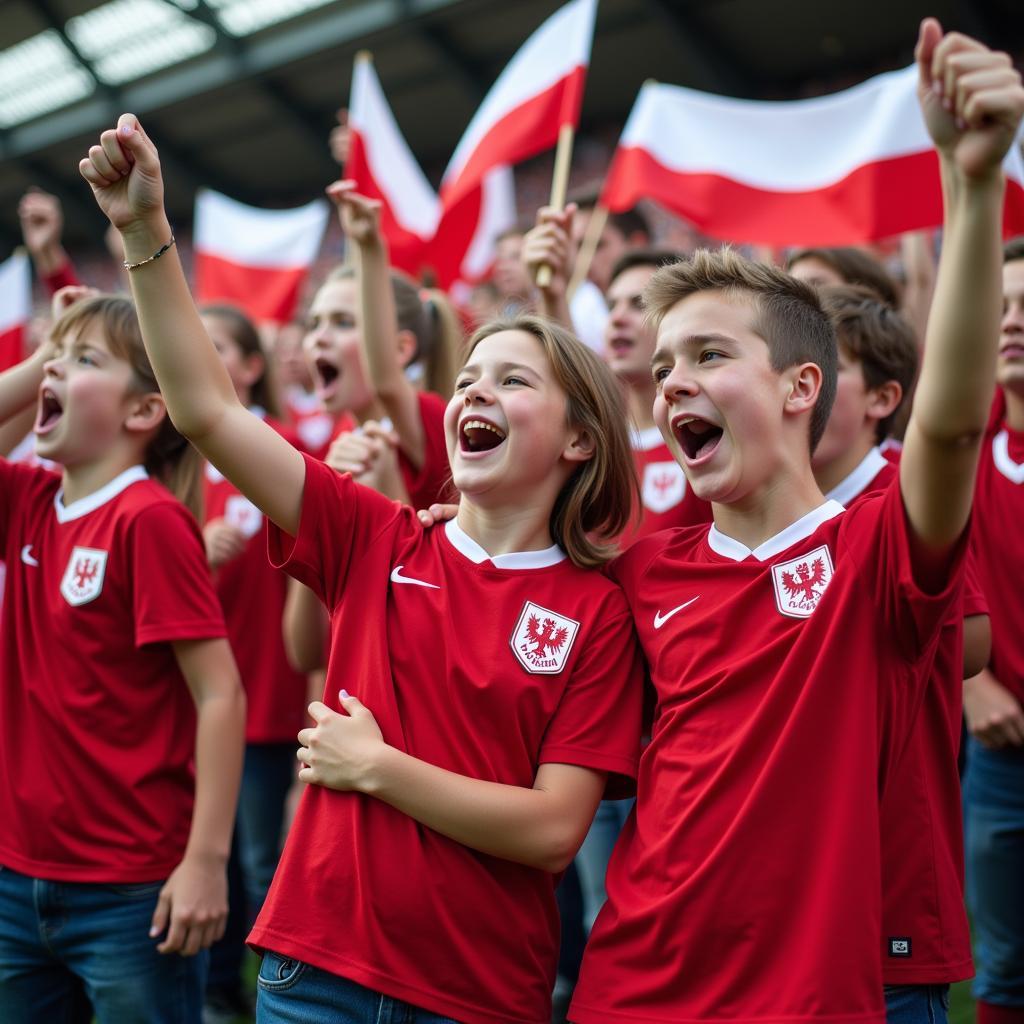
pixel 800 582
pixel 543 639
pixel 83 578
pixel 663 487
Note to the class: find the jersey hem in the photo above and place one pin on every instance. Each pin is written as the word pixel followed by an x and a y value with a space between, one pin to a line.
pixel 579 1014
pixel 87 873
pixel 267 939
pixel 928 974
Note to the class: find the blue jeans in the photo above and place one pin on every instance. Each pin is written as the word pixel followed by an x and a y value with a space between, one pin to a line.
pixel 916 1004
pixel 292 992
pixel 592 858
pixel 69 946
pixel 994 847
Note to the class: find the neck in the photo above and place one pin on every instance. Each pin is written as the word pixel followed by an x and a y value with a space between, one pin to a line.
pixel 835 472
pixel 80 481
pixel 373 410
pixel 1014 410
pixel 776 505
pixel 501 531
pixel 640 404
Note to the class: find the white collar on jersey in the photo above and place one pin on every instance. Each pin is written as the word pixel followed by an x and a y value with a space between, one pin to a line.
pixel 645 440
pixel 91 502
pixel 461 541
pixel 795 532
pixel 1013 471
pixel 870 466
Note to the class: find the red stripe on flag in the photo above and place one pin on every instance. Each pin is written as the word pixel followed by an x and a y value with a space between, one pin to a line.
pixel 406 249
pixel 454 235
pixel 263 293
pixel 875 201
pixel 12 346
pixel 523 132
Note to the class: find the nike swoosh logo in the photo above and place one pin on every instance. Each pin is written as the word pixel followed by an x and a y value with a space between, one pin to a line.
pixel 397 577
pixel 26 555
pixel 660 620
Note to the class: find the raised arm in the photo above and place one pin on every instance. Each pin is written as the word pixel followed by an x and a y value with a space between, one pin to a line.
pixel 124 172
pixel 549 243
pixel 378 321
pixel 972 102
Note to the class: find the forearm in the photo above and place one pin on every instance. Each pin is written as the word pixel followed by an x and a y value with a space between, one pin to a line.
pixel 919 272
pixel 19 386
pixel 556 307
pixel 220 748
pixel 14 430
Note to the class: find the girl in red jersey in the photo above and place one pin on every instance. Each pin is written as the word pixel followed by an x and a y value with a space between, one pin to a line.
pixel 121 710
pixel 500 669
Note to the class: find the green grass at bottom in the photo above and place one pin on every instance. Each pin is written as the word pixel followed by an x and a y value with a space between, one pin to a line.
pixel 961 1004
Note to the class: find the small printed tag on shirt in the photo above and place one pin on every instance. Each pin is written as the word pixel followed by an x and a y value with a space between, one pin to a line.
pixel 899 945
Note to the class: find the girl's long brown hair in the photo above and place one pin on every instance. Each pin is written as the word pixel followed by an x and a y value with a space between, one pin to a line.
pixel 597 501
pixel 169 457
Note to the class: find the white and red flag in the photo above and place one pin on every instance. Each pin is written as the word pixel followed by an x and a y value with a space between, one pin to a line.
pixel 383 167
pixel 15 308
pixel 835 170
pixel 255 259
pixel 540 90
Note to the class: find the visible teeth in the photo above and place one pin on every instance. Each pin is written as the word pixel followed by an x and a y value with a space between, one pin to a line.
pixel 482 425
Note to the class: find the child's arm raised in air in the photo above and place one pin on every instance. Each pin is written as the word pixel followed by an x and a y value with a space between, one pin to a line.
pixel 972 101
pixel 124 172
pixel 378 321
pixel 549 243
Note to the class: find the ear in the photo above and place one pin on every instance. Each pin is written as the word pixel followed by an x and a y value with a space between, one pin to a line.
pixel 581 446
pixel 804 387
pixel 884 400
pixel 406 347
pixel 145 412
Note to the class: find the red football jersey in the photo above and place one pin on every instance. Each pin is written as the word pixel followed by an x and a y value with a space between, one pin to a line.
pixel 433 481
pixel 666 500
pixel 747 884
pixel 487 667
pixel 998 514
pixel 252 594
pixel 313 426
pixel 925 935
pixel 97 723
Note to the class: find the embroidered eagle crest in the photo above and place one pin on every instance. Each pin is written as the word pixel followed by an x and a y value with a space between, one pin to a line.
pixel 800 582
pixel 543 639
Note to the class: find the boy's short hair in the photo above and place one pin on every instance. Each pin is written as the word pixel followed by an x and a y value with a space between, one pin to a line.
pixel 788 316
pixel 656 258
pixel 878 337
pixel 854 266
pixel 1014 249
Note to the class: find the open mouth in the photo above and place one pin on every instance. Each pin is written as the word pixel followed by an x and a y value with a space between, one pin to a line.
pixel 49 412
pixel 326 373
pixel 1012 350
pixel 477 435
pixel 621 346
pixel 697 437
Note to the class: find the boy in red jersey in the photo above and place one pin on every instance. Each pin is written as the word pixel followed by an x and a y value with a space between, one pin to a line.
pixel 790 643
pixel 993 701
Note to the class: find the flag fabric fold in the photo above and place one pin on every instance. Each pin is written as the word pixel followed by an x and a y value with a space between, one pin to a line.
pixel 842 169
pixel 15 308
pixel 253 258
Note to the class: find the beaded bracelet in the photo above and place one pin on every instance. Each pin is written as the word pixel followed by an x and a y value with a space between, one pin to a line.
pixel 149 259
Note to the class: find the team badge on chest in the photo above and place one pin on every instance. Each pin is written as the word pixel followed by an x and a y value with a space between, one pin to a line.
pixel 543 639
pixel 83 578
pixel 663 487
pixel 800 582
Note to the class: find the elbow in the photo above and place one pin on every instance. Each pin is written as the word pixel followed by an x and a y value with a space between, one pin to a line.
pixel 556 849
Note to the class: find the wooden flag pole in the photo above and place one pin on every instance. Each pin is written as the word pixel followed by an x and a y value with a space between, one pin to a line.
pixel 588 248
pixel 559 187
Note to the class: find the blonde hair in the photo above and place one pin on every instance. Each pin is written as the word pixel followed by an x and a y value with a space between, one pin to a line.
pixel 788 314
pixel 169 457
pixel 596 503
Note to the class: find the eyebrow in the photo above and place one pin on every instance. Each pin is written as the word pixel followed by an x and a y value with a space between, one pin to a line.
pixel 663 354
pixel 502 368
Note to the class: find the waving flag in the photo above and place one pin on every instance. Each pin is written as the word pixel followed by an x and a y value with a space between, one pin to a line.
pixel 15 308
pixel 383 167
pixel 256 259
pixel 835 170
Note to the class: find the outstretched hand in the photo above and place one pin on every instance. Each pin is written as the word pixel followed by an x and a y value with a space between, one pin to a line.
pixel 971 98
pixel 124 172
pixel 360 217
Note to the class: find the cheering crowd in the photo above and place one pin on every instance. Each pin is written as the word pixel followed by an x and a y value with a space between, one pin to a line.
pixel 716 586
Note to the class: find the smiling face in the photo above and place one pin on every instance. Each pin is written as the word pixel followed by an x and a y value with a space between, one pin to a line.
pixel 333 348
pixel 506 424
pixel 728 417
pixel 1010 368
pixel 629 337
pixel 85 397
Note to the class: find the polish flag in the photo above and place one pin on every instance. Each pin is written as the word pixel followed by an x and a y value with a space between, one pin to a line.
pixel 383 167
pixel 255 259
pixel 15 308
pixel 852 167
pixel 540 90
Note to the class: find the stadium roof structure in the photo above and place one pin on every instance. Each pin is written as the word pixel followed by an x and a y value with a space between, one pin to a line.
pixel 240 94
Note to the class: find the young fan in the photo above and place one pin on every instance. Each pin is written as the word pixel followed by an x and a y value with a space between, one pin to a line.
pixel 994 700
pixel 418 877
pixel 789 645
pixel 925 935
pixel 117 680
